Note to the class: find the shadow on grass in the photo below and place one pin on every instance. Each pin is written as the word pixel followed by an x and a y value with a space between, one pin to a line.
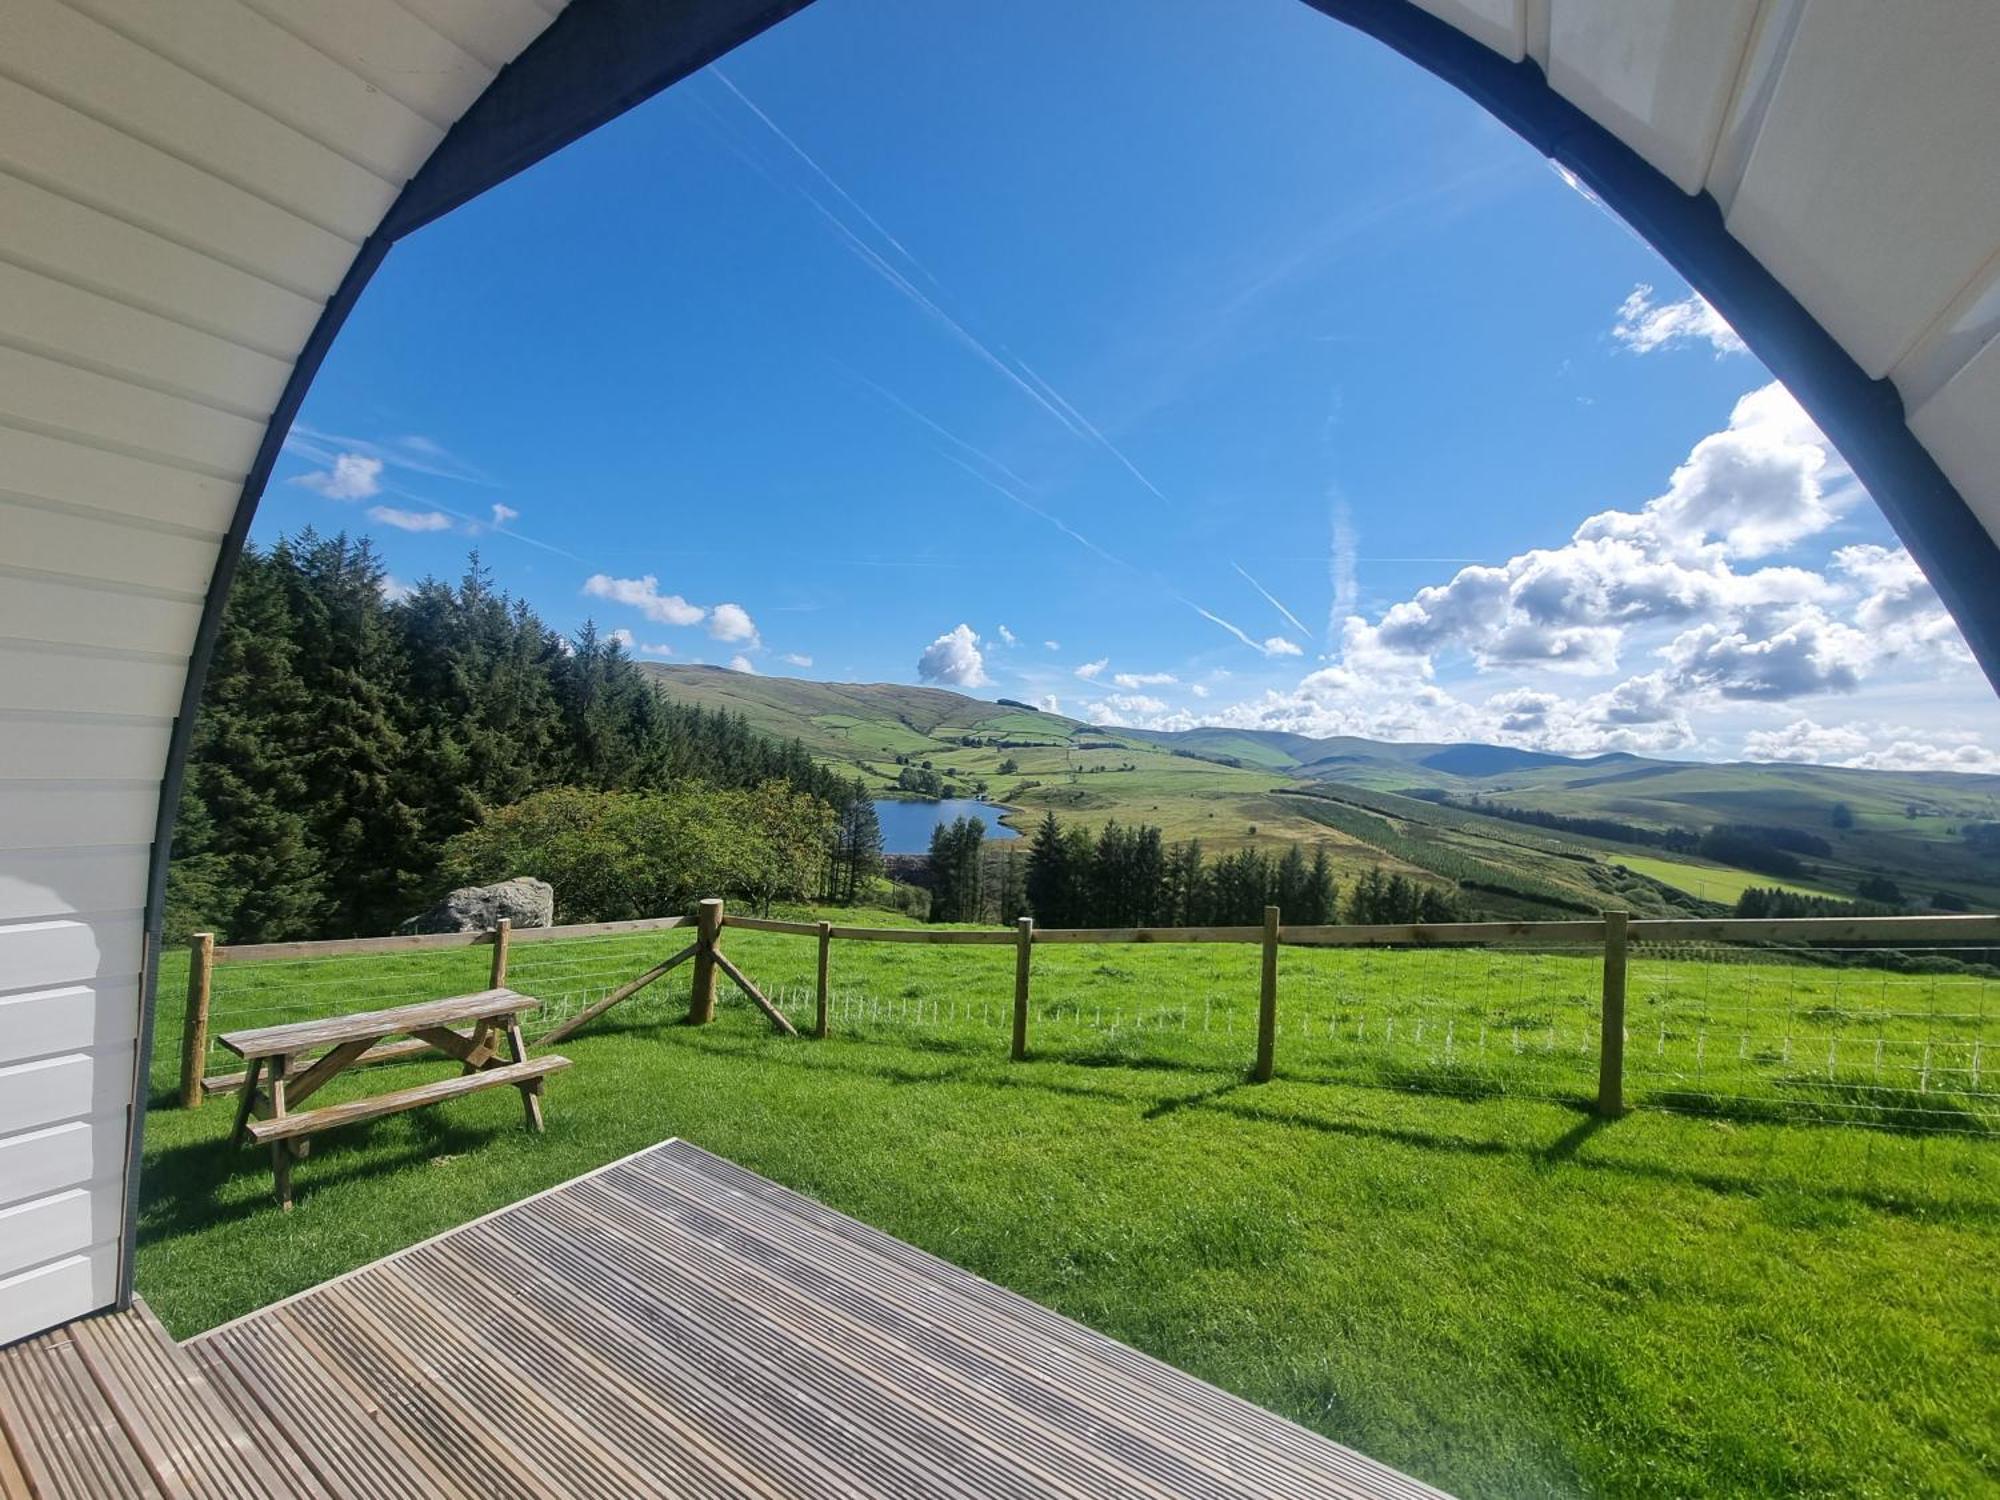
pixel 1571 1141
pixel 1236 1098
pixel 1901 1111
pixel 186 1188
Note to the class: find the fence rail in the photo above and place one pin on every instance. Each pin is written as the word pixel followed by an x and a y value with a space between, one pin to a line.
pixel 1614 943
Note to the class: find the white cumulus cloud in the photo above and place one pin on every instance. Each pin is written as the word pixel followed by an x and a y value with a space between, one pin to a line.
pixel 350 476
pixel 1007 637
pixel 1277 645
pixel 741 663
pixel 1128 709
pixel 502 514
pixel 410 520
pixel 954 658
pixel 1767 480
pixel 636 647
pixel 732 622
pixel 643 594
pixel 1089 670
pixel 1135 680
pixel 1872 746
pixel 1644 325
pixel 795 659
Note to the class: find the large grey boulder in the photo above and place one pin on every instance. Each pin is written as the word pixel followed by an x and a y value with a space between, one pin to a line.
pixel 524 901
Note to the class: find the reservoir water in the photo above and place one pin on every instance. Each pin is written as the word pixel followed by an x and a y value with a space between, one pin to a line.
pixel 906 826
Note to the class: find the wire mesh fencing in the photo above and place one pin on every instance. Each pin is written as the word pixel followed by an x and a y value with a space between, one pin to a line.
pixel 1906 1038
pixel 1464 1021
pixel 1902 1038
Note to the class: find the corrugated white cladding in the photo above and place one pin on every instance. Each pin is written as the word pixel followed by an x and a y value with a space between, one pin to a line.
pixel 182 188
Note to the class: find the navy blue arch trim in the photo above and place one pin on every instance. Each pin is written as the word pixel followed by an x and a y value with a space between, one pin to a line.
pixel 596 60
pixel 1864 417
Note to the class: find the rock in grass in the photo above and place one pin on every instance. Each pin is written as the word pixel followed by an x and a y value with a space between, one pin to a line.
pixel 524 901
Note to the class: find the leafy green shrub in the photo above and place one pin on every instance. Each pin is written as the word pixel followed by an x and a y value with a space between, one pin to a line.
pixel 614 856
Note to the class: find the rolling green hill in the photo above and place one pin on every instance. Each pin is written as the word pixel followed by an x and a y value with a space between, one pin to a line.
pixel 1431 811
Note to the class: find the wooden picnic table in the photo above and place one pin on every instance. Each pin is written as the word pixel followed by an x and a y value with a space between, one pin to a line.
pixel 297 1060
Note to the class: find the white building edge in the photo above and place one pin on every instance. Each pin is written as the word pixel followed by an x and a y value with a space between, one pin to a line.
pixel 186 187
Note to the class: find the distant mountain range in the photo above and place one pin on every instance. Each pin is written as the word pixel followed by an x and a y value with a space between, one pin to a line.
pixel 1235 786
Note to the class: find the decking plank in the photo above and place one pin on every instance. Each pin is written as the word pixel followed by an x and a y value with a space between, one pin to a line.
pixel 1068 1354
pixel 669 1325
pixel 939 1376
pixel 1179 1448
pixel 162 1399
pixel 322 1415
pixel 290 1472
pixel 744 1379
pixel 675 1417
pixel 73 1444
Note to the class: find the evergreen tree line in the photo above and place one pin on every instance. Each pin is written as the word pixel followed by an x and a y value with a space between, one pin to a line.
pixel 344 736
pixel 1130 877
pixel 1614 830
pixel 1776 903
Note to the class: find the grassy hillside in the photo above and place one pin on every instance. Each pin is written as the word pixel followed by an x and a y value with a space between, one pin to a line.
pixel 1232 787
pixel 1083 773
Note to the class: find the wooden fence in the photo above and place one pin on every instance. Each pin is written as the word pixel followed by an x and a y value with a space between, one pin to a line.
pixel 1613 933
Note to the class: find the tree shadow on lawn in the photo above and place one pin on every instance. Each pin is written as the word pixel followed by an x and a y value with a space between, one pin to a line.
pixel 1565 1150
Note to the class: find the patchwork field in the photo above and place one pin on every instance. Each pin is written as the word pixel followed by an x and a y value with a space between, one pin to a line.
pixel 1231 788
pixel 1713 882
pixel 1416 1239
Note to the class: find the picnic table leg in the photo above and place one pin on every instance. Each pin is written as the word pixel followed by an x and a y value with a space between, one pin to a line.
pixel 531 1091
pixel 281 1151
pixel 483 1047
pixel 248 1100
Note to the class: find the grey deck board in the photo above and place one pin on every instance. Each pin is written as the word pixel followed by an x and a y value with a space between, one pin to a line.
pixel 674 1324
pixel 110 1406
pixel 669 1325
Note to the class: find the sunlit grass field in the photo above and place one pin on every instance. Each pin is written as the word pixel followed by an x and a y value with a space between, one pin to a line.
pixel 1713 882
pixel 1416 1239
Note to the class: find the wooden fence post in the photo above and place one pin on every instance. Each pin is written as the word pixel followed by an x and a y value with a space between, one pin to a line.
pixel 708 926
pixel 502 933
pixel 820 1027
pixel 1024 958
pixel 1267 1000
pixel 1611 1033
pixel 194 1023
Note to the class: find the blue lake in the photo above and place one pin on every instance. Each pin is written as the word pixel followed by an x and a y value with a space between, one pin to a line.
pixel 906 826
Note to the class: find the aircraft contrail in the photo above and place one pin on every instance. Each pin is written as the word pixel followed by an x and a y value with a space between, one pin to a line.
pixel 1010 367
pixel 1275 602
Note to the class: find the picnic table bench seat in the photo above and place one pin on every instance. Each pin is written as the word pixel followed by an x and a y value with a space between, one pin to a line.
pixel 298 1058
pixel 375 1106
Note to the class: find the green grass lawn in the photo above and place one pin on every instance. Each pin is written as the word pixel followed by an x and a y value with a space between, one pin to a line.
pixel 1463 1273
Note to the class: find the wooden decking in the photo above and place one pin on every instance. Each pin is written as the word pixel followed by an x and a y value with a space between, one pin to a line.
pixel 668 1325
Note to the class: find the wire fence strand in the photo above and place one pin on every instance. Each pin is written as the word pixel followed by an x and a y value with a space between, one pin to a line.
pixel 1905 1038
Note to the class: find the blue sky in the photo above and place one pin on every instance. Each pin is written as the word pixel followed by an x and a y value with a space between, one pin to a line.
pixel 1193 338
